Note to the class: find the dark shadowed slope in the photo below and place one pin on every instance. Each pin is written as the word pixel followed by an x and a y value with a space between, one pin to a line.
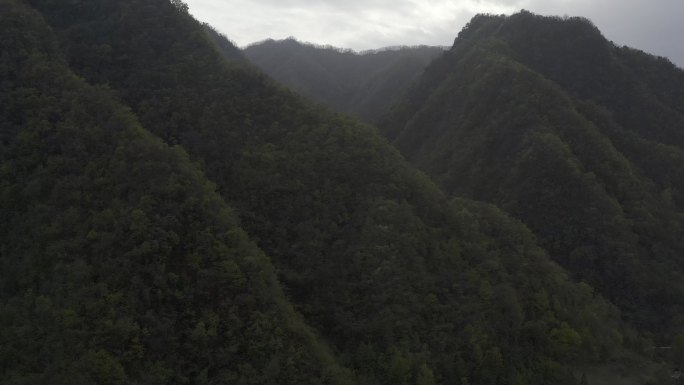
pixel 119 263
pixel 580 139
pixel 362 84
pixel 403 284
pixel 223 45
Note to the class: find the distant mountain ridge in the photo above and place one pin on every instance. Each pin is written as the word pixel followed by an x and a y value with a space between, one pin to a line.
pixel 364 84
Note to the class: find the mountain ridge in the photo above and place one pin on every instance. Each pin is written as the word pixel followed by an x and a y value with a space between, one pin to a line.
pixel 363 84
pixel 545 131
pixel 115 246
pixel 387 279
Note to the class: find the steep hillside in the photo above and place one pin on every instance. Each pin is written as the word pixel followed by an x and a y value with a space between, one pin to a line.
pixel 362 84
pixel 223 45
pixel 119 263
pixel 404 285
pixel 580 139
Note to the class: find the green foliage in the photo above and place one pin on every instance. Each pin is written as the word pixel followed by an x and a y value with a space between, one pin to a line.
pixel 425 376
pixel 223 45
pixel 121 258
pixel 119 263
pixel 579 139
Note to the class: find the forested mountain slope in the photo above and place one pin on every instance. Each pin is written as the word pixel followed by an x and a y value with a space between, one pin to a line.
pixel 362 84
pixel 404 285
pixel 223 45
pixel 119 263
pixel 580 139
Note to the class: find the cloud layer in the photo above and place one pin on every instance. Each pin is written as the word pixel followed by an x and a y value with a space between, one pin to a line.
pixel 652 26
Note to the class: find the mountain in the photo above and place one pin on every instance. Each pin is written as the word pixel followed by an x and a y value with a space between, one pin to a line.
pixel 119 261
pixel 580 139
pixel 178 217
pixel 363 84
pixel 223 45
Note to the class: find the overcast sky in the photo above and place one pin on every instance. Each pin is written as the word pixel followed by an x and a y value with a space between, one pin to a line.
pixel 654 26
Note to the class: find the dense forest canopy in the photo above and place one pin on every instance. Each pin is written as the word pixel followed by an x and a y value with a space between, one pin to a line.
pixel 173 215
pixel 119 262
pixel 577 137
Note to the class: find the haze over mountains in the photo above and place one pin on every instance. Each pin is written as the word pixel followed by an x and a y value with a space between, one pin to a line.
pixel 362 84
pixel 654 26
pixel 173 215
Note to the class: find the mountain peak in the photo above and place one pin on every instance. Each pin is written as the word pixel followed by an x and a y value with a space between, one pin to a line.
pixel 530 27
pixel 545 117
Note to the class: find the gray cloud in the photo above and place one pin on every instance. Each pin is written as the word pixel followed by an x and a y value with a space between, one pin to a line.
pixel 652 26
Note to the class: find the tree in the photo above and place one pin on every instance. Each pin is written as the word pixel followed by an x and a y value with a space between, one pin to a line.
pixel 180 5
pixel 425 376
